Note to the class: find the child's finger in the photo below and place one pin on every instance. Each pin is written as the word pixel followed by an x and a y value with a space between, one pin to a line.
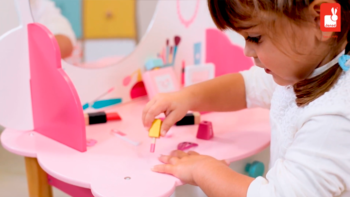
pixel 192 153
pixel 146 109
pixel 164 158
pixel 154 111
pixel 173 160
pixel 168 159
pixel 178 153
pixel 164 168
pixel 168 122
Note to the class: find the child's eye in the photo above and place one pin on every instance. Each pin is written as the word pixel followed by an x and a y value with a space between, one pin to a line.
pixel 253 39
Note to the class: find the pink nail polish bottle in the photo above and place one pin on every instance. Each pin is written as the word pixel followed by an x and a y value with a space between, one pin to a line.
pixel 205 130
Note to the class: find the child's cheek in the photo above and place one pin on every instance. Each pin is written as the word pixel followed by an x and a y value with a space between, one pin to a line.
pixel 265 56
pixel 273 61
pixel 266 62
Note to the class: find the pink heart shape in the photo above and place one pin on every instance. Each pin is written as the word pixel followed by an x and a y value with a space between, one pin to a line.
pixel 127 80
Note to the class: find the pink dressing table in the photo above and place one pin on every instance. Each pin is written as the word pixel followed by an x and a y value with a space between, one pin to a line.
pixel 112 167
pixel 105 167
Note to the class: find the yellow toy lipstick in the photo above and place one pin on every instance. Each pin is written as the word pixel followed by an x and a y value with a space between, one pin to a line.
pixel 154 133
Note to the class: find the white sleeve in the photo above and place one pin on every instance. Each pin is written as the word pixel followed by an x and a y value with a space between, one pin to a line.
pixel 316 164
pixel 259 87
pixel 45 12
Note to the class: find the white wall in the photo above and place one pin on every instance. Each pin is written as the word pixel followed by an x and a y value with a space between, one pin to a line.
pixel 145 10
pixel 8 16
pixel 238 39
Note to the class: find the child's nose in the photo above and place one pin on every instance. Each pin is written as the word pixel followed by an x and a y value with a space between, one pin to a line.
pixel 249 51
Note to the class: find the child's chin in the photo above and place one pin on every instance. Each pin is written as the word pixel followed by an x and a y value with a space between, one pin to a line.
pixel 281 82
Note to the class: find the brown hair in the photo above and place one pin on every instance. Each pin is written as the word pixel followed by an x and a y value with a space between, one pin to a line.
pixel 227 14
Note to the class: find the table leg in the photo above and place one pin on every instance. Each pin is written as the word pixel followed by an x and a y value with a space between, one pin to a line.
pixel 37 179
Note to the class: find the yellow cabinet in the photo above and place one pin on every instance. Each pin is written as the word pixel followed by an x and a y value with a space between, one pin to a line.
pixel 109 19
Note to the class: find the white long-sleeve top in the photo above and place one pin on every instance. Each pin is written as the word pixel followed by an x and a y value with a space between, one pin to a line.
pixel 46 13
pixel 310 146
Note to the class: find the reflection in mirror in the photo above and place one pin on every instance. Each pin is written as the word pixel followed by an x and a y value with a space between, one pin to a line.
pixel 9 18
pixel 94 33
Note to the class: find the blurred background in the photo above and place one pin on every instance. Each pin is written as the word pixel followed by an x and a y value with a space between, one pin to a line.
pixel 101 32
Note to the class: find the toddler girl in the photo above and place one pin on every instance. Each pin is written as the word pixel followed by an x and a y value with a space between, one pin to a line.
pixel 300 75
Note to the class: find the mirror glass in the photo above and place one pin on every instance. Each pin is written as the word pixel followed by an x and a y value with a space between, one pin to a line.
pixel 95 33
pixel 9 18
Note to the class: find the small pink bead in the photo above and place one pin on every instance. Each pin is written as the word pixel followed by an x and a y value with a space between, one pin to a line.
pixel 90 142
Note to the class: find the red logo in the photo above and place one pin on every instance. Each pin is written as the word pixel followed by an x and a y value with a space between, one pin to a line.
pixel 330 17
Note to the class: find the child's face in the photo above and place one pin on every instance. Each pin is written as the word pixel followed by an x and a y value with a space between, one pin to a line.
pixel 292 55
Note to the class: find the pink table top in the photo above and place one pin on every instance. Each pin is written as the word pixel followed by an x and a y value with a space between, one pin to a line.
pixel 104 167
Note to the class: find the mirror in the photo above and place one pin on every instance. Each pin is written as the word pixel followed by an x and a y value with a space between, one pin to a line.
pixel 9 18
pixel 95 33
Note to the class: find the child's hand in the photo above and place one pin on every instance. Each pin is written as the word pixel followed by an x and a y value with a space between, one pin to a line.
pixel 184 165
pixel 173 105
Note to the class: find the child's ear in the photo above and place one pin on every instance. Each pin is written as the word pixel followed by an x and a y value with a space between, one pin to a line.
pixel 315 12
